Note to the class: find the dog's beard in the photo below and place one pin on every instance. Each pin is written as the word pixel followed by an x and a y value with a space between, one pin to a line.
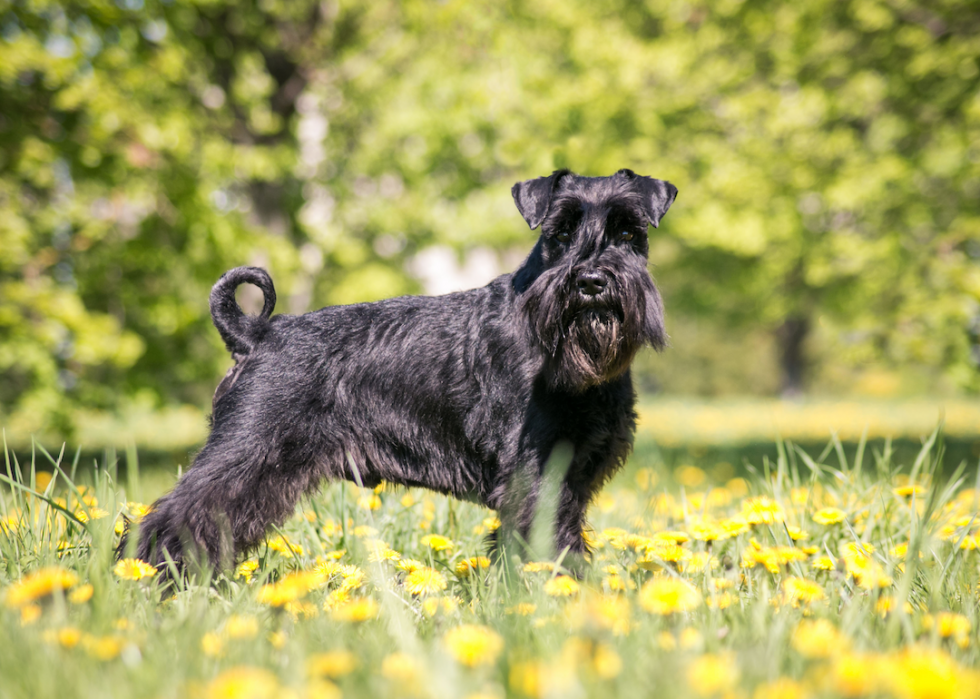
pixel 590 342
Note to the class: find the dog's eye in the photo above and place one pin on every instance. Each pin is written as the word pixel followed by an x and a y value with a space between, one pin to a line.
pixel 625 236
pixel 563 236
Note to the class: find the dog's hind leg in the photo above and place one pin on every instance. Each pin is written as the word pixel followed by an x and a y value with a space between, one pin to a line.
pixel 223 505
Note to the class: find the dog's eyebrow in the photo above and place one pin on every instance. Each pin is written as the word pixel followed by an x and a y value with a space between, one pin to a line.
pixel 566 211
pixel 621 214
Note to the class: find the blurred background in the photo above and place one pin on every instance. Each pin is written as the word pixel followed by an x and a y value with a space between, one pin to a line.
pixel 819 267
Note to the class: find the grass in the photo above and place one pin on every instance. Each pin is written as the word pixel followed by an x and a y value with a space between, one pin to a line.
pixel 815 575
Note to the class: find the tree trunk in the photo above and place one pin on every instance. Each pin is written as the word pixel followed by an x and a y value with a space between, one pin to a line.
pixel 791 337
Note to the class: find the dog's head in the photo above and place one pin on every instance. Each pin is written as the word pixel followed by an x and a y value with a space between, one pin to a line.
pixel 585 289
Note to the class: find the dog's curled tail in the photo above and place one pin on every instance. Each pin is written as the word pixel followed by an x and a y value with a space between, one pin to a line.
pixel 239 331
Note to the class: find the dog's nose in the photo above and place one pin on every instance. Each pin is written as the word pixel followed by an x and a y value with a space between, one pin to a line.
pixel 591 283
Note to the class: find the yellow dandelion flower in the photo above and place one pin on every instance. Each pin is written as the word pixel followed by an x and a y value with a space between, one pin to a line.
pixel 246 569
pixel 673 537
pixel 614 535
pixel 798 591
pixel 886 604
pixel 667 552
pixel 331 528
pixel 538 679
pixel 212 645
pixel 364 531
pixel 636 542
pixel 828 516
pixel 401 668
pixel 522 609
pixel 712 673
pixel 103 647
pixel 432 605
pixel 318 688
pixel 866 571
pixel 406 500
pixel 700 562
pixel 334 663
pixel 855 548
pixel 356 610
pixel 823 563
pixel 473 645
pixel 241 627
pixel 29 613
pixel 425 581
pixel 301 608
pixel 81 594
pixel 241 682
pixel 92 513
pixel 284 547
pixel 734 526
pixel 899 550
pixel 738 487
pixel 690 639
pixel 369 502
pixel 137 510
pixel 708 532
pixel 67 636
pixel 606 662
pixel 722 601
pixel 666 641
pixel 949 625
pixel 381 551
pixel 771 558
pixel 762 510
pixel 924 673
pixel 818 638
pixel 539 567
pixel 9 524
pixel 464 567
pixel 668 595
pixel 38 585
pixel 690 476
pixel 617 583
pixel 326 568
pixel 854 675
pixel 291 588
pixel 646 478
pixel 796 534
pixel 604 612
pixel 437 542
pixel 409 565
pixel 336 598
pixel 781 688
pixel 561 586
pixel 906 491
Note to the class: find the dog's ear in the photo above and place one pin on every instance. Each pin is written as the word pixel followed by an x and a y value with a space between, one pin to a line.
pixel 657 195
pixel 533 197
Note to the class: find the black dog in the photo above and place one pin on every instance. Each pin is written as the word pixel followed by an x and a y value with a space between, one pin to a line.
pixel 464 394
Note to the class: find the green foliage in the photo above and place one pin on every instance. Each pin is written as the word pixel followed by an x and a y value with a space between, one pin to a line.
pixel 826 155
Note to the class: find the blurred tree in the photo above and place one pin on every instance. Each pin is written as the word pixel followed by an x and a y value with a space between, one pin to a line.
pixel 827 153
pixel 145 149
